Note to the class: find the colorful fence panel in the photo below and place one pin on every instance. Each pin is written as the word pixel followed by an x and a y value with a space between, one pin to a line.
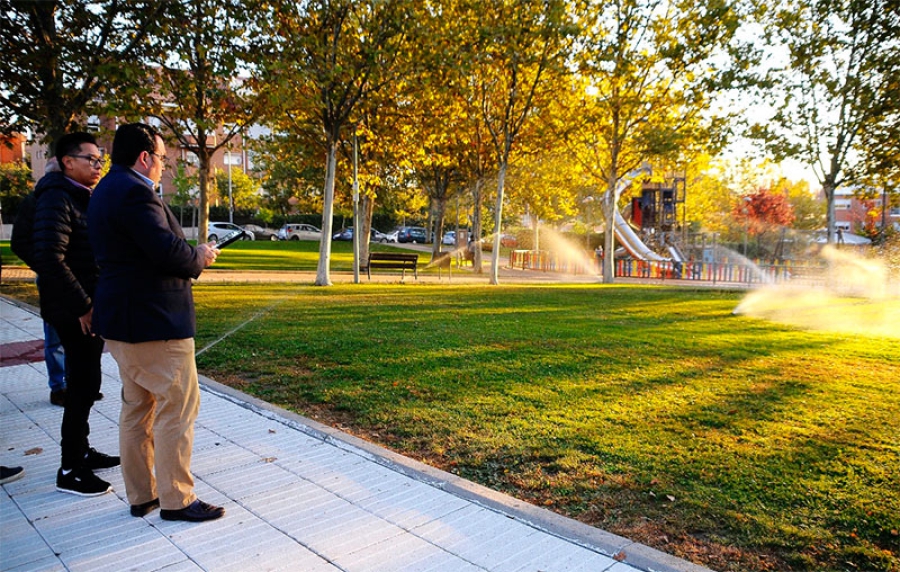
pixel 732 272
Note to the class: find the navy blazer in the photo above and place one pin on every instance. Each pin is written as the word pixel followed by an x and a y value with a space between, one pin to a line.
pixel 146 264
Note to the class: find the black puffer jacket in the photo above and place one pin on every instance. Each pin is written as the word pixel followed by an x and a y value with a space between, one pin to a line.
pixel 22 240
pixel 63 258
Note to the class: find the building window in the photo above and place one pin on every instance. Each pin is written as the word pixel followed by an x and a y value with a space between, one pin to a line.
pixel 234 159
pixel 93 124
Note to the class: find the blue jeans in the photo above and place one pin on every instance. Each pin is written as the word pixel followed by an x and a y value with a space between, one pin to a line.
pixel 54 357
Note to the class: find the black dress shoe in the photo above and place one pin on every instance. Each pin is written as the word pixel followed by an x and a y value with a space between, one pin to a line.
pixel 197 511
pixel 58 397
pixel 144 509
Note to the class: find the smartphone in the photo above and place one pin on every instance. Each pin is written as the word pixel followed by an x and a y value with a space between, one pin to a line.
pixel 236 235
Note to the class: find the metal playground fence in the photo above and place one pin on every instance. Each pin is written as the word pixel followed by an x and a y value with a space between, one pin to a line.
pixel 725 271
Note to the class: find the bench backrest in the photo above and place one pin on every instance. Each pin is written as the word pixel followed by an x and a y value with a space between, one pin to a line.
pixel 394 257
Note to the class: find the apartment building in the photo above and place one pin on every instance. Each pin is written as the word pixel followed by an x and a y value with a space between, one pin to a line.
pixel 852 214
pixel 235 156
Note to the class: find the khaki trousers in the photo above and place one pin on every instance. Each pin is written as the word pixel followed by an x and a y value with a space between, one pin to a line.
pixel 160 402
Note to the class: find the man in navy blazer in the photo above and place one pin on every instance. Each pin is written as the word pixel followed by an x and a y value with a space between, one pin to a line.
pixel 144 309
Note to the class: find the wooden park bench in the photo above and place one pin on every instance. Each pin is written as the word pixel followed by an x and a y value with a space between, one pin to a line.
pixel 393 260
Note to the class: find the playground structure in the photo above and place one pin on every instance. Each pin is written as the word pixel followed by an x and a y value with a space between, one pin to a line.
pixel 653 229
pixel 654 214
pixel 631 242
pixel 652 242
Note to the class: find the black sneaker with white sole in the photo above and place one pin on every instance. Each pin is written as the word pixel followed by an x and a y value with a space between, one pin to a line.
pixel 81 482
pixel 95 460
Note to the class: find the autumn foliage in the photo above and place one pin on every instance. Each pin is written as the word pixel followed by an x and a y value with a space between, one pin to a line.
pixel 763 210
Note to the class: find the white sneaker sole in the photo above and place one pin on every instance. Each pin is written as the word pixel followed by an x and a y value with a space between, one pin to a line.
pixel 13 478
pixel 81 494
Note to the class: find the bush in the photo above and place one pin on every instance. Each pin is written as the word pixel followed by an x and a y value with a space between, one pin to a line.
pixel 15 184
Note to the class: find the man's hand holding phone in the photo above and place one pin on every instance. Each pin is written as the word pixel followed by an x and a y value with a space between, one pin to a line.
pixel 209 252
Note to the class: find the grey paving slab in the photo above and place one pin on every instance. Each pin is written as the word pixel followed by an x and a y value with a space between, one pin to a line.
pixel 298 496
pixel 142 553
pixel 411 505
pixel 406 553
pixel 30 547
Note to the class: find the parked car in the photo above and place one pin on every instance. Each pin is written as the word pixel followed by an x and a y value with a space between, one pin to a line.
pixel 412 234
pixel 391 236
pixel 449 238
pixel 343 234
pixel 299 231
pixel 508 240
pixel 219 230
pixel 260 233
pixel 347 234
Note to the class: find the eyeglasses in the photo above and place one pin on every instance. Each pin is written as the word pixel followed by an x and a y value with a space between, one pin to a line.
pixel 96 162
pixel 162 158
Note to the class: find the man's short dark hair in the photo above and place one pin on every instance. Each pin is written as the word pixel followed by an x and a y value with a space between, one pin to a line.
pixel 71 143
pixel 130 141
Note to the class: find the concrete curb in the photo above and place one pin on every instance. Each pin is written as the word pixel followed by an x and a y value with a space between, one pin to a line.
pixel 614 546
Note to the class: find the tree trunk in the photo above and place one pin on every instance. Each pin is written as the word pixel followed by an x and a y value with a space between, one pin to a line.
pixel 438 209
pixel 477 197
pixel 608 206
pixel 203 183
pixel 323 273
pixel 367 209
pixel 498 218
pixel 828 190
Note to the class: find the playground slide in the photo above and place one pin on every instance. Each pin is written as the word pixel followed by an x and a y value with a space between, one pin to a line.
pixel 676 254
pixel 632 243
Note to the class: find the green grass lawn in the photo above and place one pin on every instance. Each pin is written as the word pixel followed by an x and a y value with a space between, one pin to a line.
pixel 302 255
pixel 286 255
pixel 266 255
pixel 654 413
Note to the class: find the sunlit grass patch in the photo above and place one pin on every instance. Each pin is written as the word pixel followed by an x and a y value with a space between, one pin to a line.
pixel 822 309
pixel 653 412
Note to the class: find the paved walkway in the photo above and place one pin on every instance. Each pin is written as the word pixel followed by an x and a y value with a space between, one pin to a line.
pixel 298 495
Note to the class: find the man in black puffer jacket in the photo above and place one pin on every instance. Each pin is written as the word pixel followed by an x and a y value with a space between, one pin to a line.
pixel 21 243
pixel 67 277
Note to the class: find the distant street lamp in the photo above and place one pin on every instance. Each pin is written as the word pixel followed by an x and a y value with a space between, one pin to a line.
pixel 357 227
pixel 230 198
